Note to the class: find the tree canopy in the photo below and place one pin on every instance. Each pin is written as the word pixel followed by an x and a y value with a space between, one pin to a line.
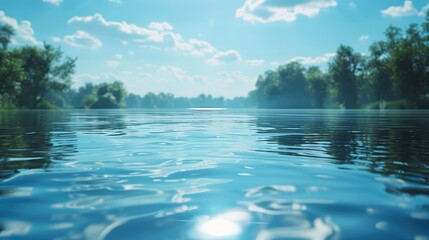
pixel 6 33
pixel 45 70
pixel 395 74
pixel 344 69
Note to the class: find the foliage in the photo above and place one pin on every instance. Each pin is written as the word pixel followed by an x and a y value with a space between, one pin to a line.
pixel 292 86
pixel 10 69
pixel 11 76
pixel 379 74
pixel 394 75
pixel 110 95
pixel 45 71
pixel 267 88
pixel 343 70
pixel 407 59
pixel 6 33
pixel 283 88
pixel 104 95
pixel 168 100
pixel 317 85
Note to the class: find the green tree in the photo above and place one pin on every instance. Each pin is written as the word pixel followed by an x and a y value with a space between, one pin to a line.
pixel 45 70
pixel 164 100
pixel 379 73
pixel 11 73
pixel 317 84
pixel 110 95
pixel 85 96
pixel 149 101
pixel 407 60
pixel 283 88
pixel 133 101
pixel 425 37
pixel 6 33
pixel 292 86
pixel 344 69
pixel 267 90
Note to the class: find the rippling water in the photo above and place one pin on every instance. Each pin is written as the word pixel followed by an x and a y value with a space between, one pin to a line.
pixel 226 174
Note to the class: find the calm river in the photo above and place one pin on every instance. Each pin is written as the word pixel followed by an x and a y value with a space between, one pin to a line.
pixel 232 174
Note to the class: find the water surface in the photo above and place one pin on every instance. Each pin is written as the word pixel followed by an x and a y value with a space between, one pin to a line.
pixel 224 174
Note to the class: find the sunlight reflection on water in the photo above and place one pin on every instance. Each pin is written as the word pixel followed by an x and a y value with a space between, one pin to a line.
pixel 228 224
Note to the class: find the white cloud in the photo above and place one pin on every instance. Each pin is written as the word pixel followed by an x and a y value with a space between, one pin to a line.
pixel 80 39
pixel 54 2
pixel 255 62
pixel 313 60
pixel 172 72
pixel 24 33
pixel 113 63
pixel 56 39
pixel 232 83
pixel 364 38
pixel 160 26
pixel 407 9
pixel 228 56
pixel 131 52
pixel 96 24
pixel 181 83
pixel 175 42
pixel 265 11
pixel 82 78
pixel 234 77
pixel 157 35
pixel 115 1
pixel 118 56
pixel 200 48
pixel 352 5
pixel 424 10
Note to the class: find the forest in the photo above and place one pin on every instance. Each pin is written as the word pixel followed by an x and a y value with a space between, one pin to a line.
pixel 394 74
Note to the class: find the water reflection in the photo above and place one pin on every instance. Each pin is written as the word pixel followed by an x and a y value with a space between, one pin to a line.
pixel 36 139
pixel 100 121
pixel 177 175
pixel 389 143
pixel 319 229
pixel 33 140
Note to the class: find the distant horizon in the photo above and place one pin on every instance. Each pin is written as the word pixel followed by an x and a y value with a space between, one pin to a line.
pixel 175 95
pixel 191 47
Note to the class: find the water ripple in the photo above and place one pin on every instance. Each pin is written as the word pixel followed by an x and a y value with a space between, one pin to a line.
pixel 242 174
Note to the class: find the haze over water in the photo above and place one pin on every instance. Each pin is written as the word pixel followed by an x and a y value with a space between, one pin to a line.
pixel 226 174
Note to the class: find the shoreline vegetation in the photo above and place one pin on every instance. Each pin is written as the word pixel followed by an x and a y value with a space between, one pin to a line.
pixel 394 75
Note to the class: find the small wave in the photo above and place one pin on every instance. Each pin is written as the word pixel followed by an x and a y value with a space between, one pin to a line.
pixel 269 190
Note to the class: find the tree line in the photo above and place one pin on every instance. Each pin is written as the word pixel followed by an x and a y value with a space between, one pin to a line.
pixel 30 75
pixel 114 95
pixel 395 74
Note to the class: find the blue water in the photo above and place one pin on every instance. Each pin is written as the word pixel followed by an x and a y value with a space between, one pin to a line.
pixel 225 174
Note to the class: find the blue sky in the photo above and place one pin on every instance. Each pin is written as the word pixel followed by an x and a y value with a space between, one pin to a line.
pixel 189 47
